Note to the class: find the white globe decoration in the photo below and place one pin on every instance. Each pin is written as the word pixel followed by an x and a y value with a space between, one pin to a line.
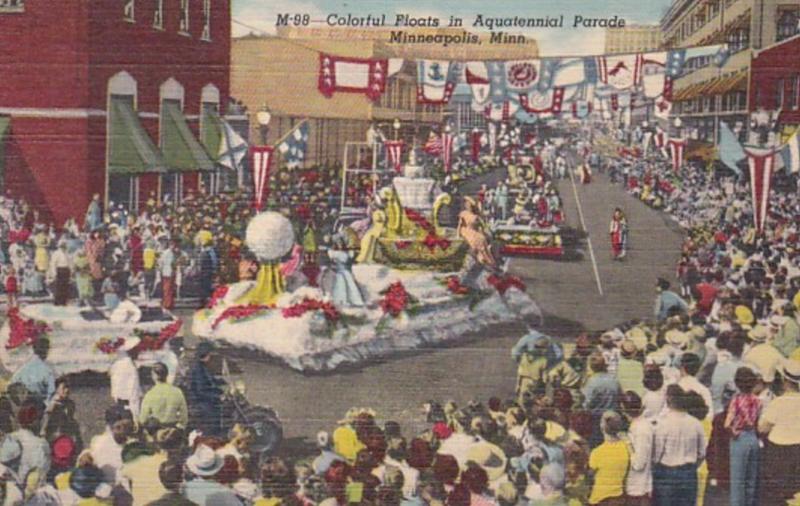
pixel 269 236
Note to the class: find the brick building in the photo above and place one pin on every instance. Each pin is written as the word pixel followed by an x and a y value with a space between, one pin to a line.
pixel 775 83
pixel 119 98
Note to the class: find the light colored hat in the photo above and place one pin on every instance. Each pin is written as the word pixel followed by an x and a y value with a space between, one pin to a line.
pixel 790 369
pixel 489 457
pixel 130 343
pixel 759 334
pixel 205 461
pixel 778 320
pixel 628 347
pixel 744 315
pixel 677 338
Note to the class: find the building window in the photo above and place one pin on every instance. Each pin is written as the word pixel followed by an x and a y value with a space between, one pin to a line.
pixel 206 20
pixel 794 93
pixel 158 15
pixel 780 94
pixel 739 40
pixel 183 25
pixel 12 5
pixel 788 21
pixel 128 11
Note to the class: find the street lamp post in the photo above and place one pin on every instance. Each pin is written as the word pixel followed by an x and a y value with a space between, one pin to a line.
pixel 263 117
pixel 678 123
pixel 396 127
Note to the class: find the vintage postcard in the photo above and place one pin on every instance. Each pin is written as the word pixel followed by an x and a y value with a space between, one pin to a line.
pixel 300 252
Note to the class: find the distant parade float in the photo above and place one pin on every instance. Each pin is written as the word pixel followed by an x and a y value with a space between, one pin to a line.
pixel 405 282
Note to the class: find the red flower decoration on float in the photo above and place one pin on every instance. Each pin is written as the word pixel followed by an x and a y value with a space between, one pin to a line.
pixel 239 313
pixel 297 310
pixel 504 282
pixel 23 330
pixel 454 286
pixel 109 346
pixel 219 293
pixel 395 299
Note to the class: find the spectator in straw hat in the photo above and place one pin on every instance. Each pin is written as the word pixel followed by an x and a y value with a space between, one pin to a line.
pixel 763 355
pixel 778 422
pixel 202 489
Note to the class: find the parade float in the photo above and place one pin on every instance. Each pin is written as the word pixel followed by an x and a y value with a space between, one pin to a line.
pixel 534 226
pixel 85 338
pixel 412 291
pixel 412 237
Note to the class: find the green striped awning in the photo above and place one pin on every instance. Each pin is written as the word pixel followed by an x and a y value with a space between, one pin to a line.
pixel 181 149
pixel 211 132
pixel 130 149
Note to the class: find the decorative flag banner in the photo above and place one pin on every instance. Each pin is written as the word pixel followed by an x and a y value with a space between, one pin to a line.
pixel 761 163
pixel 791 153
pixel 232 149
pixel 660 138
pixel 621 72
pixel 293 148
pixel 261 157
pixel 521 75
pixel 543 101
pixel 654 74
pixel 676 149
pixel 394 154
pixel 730 150
pixel 476 75
pixel 581 109
pixel 447 149
pixel 570 72
pixel 352 75
pixel 436 80
pixel 500 111
pixel 475 145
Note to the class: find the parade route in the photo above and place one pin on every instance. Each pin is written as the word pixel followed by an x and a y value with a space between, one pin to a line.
pixel 480 364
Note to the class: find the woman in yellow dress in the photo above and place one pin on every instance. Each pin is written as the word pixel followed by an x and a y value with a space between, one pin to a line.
pixel 470 229
pixel 41 257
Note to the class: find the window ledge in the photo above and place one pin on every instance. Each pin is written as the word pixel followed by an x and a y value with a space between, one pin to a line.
pixel 183 33
pixel 12 10
pixel 130 20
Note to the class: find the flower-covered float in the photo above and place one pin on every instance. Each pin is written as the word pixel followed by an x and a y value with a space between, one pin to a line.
pixel 84 338
pixel 310 329
pixel 533 226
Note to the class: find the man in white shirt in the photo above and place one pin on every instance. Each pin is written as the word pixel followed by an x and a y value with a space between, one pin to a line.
pixel 763 355
pixel 679 447
pixel 60 274
pixel 639 481
pixel 107 447
pixel 689 367
pixel 125 387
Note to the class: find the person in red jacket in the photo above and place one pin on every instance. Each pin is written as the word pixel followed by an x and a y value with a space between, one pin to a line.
pixel 11 287
pixel 706 293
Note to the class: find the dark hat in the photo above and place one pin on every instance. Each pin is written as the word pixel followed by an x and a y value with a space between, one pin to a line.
pixel 134 450
pixel 204 348
pixel 85 480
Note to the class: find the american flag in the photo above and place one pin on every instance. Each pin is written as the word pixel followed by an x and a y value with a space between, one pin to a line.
pixel 761 163
pixel 676 148
pixel 394 153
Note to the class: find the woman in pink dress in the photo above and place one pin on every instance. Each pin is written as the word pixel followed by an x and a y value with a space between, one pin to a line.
pixel 470 229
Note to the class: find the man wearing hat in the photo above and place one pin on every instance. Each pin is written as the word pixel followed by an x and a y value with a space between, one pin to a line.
pixel 205 392
pixel 204 464
pixel 35 451
pixel 763 355
pixel 778 422
pixel 786 332
pixel 36 374
pixel 668 302
pixel 125 388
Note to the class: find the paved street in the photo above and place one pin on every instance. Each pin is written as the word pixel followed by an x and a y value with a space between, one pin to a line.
pixel 480 365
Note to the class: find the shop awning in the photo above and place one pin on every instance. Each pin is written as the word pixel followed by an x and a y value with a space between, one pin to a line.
pixel 5 122
pixel 737 81
pixel 211 133
pixel 181 150
pixel 130 149
pixel 686 93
